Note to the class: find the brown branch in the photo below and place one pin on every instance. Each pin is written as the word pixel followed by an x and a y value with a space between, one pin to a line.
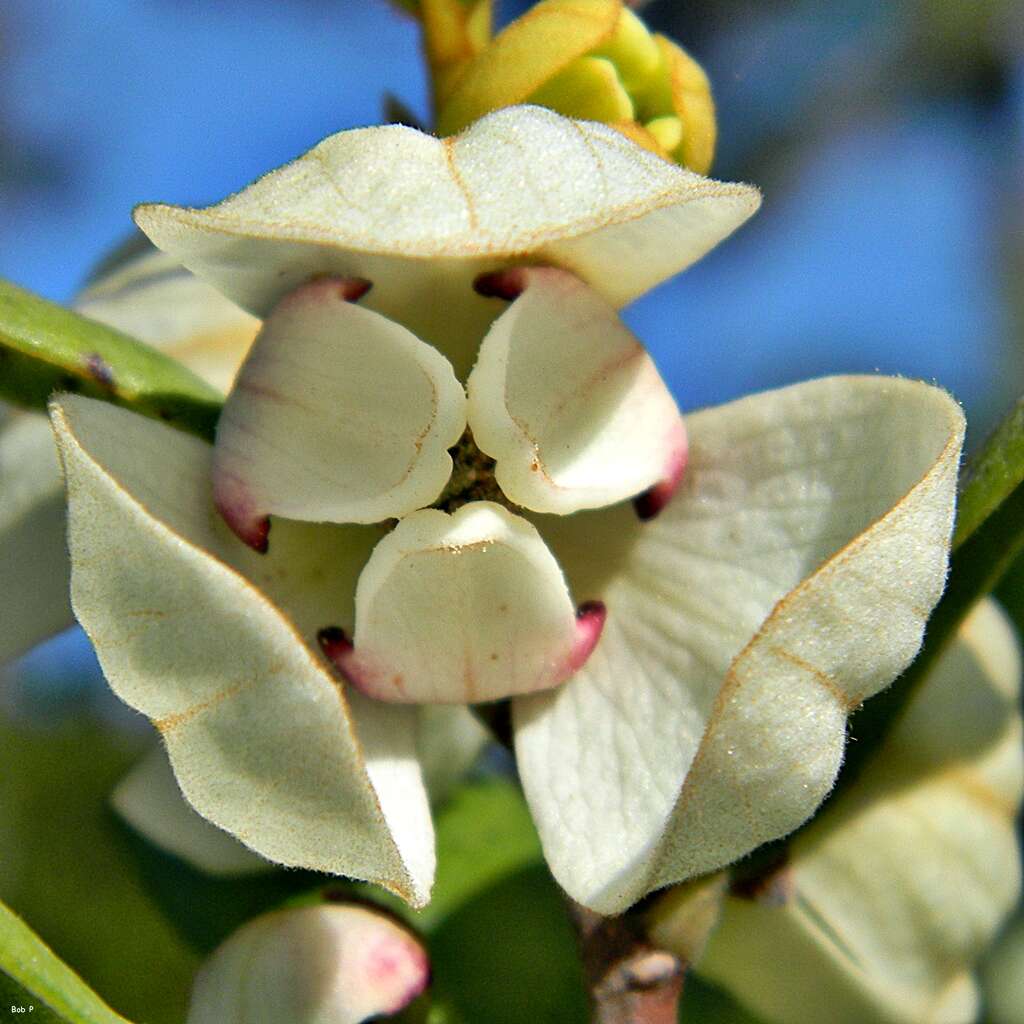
pixel 630 981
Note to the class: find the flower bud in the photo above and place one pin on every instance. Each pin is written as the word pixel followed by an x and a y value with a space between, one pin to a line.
pixel 454 32
pixel 325 964
pixel 596 60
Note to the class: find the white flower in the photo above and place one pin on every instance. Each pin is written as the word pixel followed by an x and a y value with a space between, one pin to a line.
pixel 787 578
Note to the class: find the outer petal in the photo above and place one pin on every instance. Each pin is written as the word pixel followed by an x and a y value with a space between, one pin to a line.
pixel 338 415
pixel 148 798
pixel 33 564
pixel 568 403
pixel 899 886
pixel 152 298
pixel 422 217
pixel 463 608
pixel 788 580
pixel 190 630
pixel 327 964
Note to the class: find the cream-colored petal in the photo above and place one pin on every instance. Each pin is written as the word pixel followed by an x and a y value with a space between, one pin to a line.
pixel 567 401
pixel 899 886
pixel 210 640
pixel 338 415
pixel 156 300
pixel 33 563
pixel 788 579
pixel 462 608
pixel 421 217
pixel 149 799
pixel 326 964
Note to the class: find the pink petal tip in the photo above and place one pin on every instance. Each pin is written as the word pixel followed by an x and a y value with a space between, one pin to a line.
pixel 341 653
pixel 236 508
pixel 399 960
pixel 326 288
pixel 652 501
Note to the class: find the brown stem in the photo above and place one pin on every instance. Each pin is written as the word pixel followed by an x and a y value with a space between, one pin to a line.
pixel 630 981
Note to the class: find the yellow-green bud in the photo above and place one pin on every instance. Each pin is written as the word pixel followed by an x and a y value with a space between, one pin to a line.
pixel 596 60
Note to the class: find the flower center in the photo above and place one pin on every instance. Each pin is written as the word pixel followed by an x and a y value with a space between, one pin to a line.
pixel 472 478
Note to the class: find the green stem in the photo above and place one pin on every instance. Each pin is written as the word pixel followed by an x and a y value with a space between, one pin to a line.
pixel 45 348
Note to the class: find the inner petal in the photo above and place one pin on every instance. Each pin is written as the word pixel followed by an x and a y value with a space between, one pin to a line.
pixel 462 608
pixel 567 401
pixel 338 415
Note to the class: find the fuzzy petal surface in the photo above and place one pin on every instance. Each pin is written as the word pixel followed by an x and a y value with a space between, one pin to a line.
pixel 421 217
pixel 148 798
pixel 212 642
pixel 151 298
pixel 788 580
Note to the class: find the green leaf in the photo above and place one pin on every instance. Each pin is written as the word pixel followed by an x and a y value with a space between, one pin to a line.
pixel 705 1003
pixel 992 475
pixel 13 994
pixel 484 834
pixel 34 966
pixel 501 946
pixel 205 909
pixel 509 955
pixel 64 867
pixel 46 348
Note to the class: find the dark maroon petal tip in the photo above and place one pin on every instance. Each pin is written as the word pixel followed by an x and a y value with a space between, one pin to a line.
pixel 253 530
pixel 650 504
pixel 325 288
pixel 351 289
pixel 506 284
pixel 590 619
pixel 652 501
pixel 589 609
pixel 335 644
